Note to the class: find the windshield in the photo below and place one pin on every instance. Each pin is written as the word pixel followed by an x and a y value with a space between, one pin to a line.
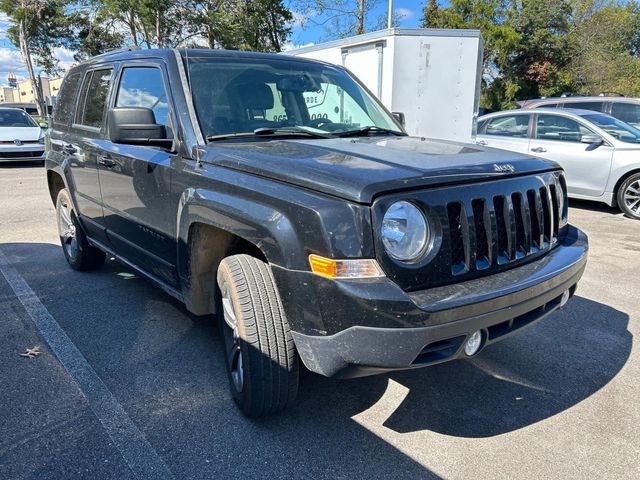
pixel 616 128
pixel 242 95
pixel 15 118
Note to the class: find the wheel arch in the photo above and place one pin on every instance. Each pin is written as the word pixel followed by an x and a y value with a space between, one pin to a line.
pixel 55 181
pixel 212 226
pixel 619 183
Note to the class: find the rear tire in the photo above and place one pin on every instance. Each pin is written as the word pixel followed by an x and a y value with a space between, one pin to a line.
pixel 79 254
pixel 260 355
pixel 629 197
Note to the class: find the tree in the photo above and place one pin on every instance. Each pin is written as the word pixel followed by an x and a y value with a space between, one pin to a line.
pixel 341 18
pixel 37 26
pixel 606 56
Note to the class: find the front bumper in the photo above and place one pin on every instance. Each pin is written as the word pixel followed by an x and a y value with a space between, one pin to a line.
pixel 355 328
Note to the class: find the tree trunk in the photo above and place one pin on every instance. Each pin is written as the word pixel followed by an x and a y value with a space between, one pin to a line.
pixel 361 11
pixel 159 37
pixel 26 58
pixel 132 27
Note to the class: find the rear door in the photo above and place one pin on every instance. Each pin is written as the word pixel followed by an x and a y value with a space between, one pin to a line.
pixel 82 146
pixel 587 166
pixel 139 208
pixel 507 132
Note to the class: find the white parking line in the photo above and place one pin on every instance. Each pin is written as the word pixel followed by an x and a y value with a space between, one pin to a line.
pixel 139 455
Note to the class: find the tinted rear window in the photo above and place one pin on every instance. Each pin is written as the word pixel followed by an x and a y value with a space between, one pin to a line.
pixel 596 106
pixel 66 100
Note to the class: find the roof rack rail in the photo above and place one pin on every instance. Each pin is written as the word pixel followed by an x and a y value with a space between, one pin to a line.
pixel 610 94
pixel 118 50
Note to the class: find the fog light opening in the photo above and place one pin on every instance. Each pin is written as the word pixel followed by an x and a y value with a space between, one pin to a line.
pixel 565 298
pixel 473 343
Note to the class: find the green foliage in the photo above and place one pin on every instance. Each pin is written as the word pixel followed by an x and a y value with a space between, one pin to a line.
pixel 548 47
pixel 45 27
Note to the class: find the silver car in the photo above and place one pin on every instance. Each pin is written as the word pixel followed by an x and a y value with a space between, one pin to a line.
pixel 600 154
pixel 623 108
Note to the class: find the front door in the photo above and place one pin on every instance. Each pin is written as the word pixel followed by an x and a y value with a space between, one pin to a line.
pixel 139 207
pixel 587 166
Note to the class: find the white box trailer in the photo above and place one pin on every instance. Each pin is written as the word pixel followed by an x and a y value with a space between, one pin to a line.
pixel 432 76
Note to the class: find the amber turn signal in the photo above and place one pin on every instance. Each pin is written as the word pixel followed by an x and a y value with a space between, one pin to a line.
pixel 359 268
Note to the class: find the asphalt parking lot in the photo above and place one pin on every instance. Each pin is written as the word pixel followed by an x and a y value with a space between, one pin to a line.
pixel 140 388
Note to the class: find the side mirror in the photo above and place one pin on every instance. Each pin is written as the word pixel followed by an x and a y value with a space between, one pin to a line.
pixel 136 126
pixel 399 116
pixel 592 139
pixel 44 125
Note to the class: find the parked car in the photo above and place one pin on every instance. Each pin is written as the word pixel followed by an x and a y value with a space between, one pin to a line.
pixel 622 108
pixel 335 239
pixel 32 110
pixel 21 139
pixel 600 154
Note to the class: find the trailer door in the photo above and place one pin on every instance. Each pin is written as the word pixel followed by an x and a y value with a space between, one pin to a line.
pixel 365 62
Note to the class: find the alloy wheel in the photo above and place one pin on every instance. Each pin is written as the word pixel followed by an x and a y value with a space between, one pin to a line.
pixel 67 230
pixel 632 197
pixel 232 341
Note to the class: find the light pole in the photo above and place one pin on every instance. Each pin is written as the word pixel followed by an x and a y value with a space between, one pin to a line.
pixel 390 17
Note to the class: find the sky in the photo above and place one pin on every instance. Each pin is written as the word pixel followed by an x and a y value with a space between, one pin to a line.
pixel 306 31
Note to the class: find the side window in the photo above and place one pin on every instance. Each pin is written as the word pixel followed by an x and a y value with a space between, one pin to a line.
pixel 516 126
pixel 143 87
pixel 66 100
pixel 94 98
pixel 627 112
pixel 596 106
pixel 562 129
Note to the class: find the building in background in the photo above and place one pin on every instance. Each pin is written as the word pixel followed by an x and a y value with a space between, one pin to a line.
pixel 26 93
pixel 7 94
pixel 54 88
pixel 23 92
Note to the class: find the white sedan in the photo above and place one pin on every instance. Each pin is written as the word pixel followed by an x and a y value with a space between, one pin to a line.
pixel 21 139
pixel 600 154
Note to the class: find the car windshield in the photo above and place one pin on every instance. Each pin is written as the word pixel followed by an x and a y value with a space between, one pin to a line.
pixel 237 96
pixel 15 118
pixel 616 128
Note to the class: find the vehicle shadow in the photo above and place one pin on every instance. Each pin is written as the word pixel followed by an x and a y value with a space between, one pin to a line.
pixel 593 206
pixel 541 372
pixel 166 367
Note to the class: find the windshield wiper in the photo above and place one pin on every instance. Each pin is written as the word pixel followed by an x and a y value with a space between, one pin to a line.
pixel 370 129
pixel 268 131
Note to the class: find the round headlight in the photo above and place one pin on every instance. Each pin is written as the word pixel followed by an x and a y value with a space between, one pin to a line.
pixel 405 231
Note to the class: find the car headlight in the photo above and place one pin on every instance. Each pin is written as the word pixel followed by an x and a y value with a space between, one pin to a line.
pixel 41 140
pixel 405 231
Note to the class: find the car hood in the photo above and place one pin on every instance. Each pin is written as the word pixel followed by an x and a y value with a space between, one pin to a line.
pixel 359 169
pixel 19 133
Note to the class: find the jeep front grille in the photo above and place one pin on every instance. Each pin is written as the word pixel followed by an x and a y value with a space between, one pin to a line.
pixel 480 228
pixel 519 224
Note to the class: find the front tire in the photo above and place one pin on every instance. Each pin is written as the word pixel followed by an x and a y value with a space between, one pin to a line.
pixel 79 254
pixel 629 197
pixel 260 354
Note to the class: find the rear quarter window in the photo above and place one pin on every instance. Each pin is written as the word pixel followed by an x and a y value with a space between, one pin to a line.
pixel 63 109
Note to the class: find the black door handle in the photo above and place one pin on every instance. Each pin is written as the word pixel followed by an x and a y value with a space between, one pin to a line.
pixel 107 162
pixel 69 149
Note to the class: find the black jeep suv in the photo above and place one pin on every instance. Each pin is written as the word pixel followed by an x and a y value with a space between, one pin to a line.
pixel 278 193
